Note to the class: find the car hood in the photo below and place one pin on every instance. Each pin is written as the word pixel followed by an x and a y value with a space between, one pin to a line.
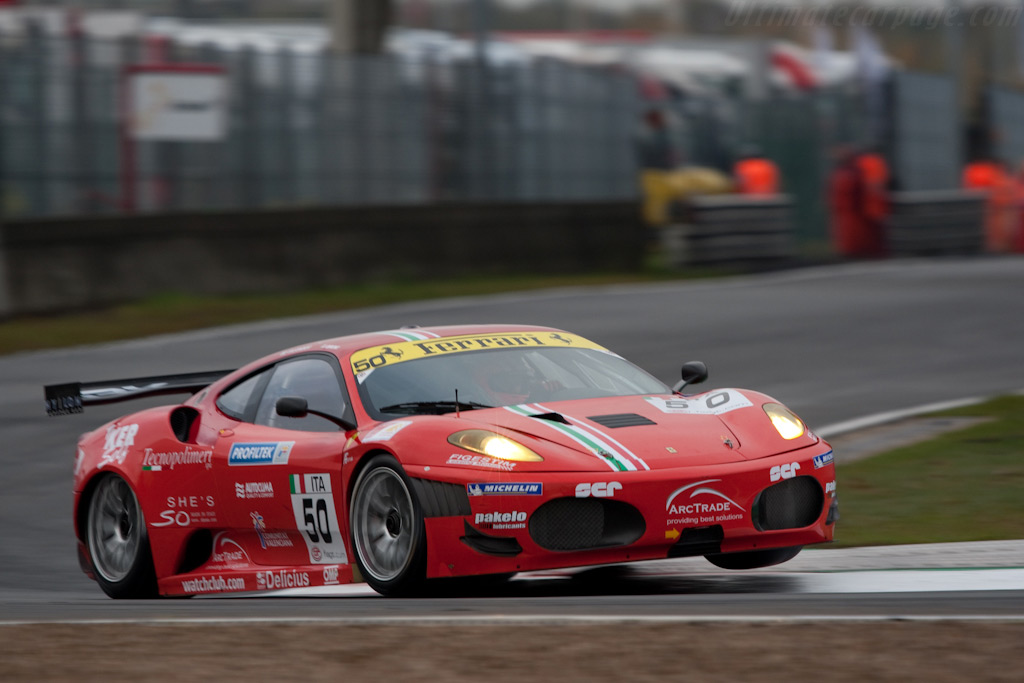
pixel 646 432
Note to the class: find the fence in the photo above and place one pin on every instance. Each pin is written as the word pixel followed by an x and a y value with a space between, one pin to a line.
pixel 1006 111
pixel 309 129
pixel 926 140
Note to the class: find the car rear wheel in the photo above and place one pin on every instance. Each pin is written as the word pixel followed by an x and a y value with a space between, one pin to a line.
pixel 388 533
pixel 118 542
pixel 752 559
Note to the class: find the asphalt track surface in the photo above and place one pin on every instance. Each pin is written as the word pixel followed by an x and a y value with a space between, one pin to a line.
pixel 836 344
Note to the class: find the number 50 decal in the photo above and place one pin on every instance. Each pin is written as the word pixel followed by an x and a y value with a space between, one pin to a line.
pixel 716 403
pixel 317 526
pixel 316 518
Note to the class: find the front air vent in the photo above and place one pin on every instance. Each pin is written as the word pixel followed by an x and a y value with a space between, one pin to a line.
pixel 182 419
pixel 490 545
pixel 790 504
pixel 440 499
pixel 698 541
pixel 568 524
pixel 621 420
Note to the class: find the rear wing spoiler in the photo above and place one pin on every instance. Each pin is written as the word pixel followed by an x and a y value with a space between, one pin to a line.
pixel 70 398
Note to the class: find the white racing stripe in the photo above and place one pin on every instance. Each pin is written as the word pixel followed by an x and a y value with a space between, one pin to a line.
pixel 608 454
pixel 598 434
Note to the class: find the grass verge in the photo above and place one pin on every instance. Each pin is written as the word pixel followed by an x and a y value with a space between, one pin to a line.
pixel 962 486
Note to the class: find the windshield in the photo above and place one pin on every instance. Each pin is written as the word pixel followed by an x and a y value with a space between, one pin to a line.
pixel 486 379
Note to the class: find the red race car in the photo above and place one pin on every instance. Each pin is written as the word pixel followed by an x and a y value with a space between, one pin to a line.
pixel 415 454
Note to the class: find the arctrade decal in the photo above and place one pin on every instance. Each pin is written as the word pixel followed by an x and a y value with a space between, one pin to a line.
pixel 271 453
pixel 691 512
pixel 316 518
pixel 823 460
pixel 389 354
pixel 719 402
pixel 505 489
pixel 227 553
pixel 155 461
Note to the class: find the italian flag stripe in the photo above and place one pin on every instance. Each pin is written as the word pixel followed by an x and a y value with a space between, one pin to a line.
pixel 296 483
pixel 610 458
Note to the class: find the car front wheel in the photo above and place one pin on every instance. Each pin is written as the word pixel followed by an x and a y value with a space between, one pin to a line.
pixel 118 542
pixel 388 533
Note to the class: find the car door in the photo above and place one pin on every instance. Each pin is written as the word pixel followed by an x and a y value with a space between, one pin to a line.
pixel 282 474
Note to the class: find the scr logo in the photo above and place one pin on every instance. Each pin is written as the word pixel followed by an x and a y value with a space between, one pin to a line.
pixel 598 490
pixel 780 472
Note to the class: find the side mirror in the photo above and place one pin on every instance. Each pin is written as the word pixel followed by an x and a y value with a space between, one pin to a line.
pixel 296 406
pixel 693 372
pixel 292 406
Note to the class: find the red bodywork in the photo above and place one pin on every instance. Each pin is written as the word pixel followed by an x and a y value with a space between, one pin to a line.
pixel 215 526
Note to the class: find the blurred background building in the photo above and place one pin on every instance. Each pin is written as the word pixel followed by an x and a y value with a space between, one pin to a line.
pixel 339 102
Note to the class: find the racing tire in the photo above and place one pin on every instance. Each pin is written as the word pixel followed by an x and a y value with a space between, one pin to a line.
pixel 118 542
pixel 753 559
pixel 389 538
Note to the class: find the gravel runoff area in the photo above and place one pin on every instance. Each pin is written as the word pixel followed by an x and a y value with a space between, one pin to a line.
pixel 938 652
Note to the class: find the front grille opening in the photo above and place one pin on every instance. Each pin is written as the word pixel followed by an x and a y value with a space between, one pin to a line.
pixel 698 541
pixel 490 545
pixel 568 524
pixel 790 504
pixel 441 499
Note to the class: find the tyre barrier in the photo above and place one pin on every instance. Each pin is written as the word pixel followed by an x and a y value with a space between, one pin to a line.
pixel 936 223
pixel 733 230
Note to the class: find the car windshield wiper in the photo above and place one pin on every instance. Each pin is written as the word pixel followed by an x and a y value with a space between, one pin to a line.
pixel 432 407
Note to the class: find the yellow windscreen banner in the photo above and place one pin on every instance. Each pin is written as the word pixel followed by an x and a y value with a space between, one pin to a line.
pixel 389 354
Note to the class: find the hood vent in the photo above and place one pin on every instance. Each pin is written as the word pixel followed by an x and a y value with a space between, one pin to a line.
pixel 621 420
pixel 553 417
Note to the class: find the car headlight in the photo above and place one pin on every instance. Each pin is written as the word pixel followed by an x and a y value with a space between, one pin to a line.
pixel 493 445
pixel 786 423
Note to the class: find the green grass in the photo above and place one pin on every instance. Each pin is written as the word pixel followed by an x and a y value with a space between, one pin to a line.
pixel 179 312
pixel 963 486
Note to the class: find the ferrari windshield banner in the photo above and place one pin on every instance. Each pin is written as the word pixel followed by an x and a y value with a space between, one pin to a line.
pixel 379 356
